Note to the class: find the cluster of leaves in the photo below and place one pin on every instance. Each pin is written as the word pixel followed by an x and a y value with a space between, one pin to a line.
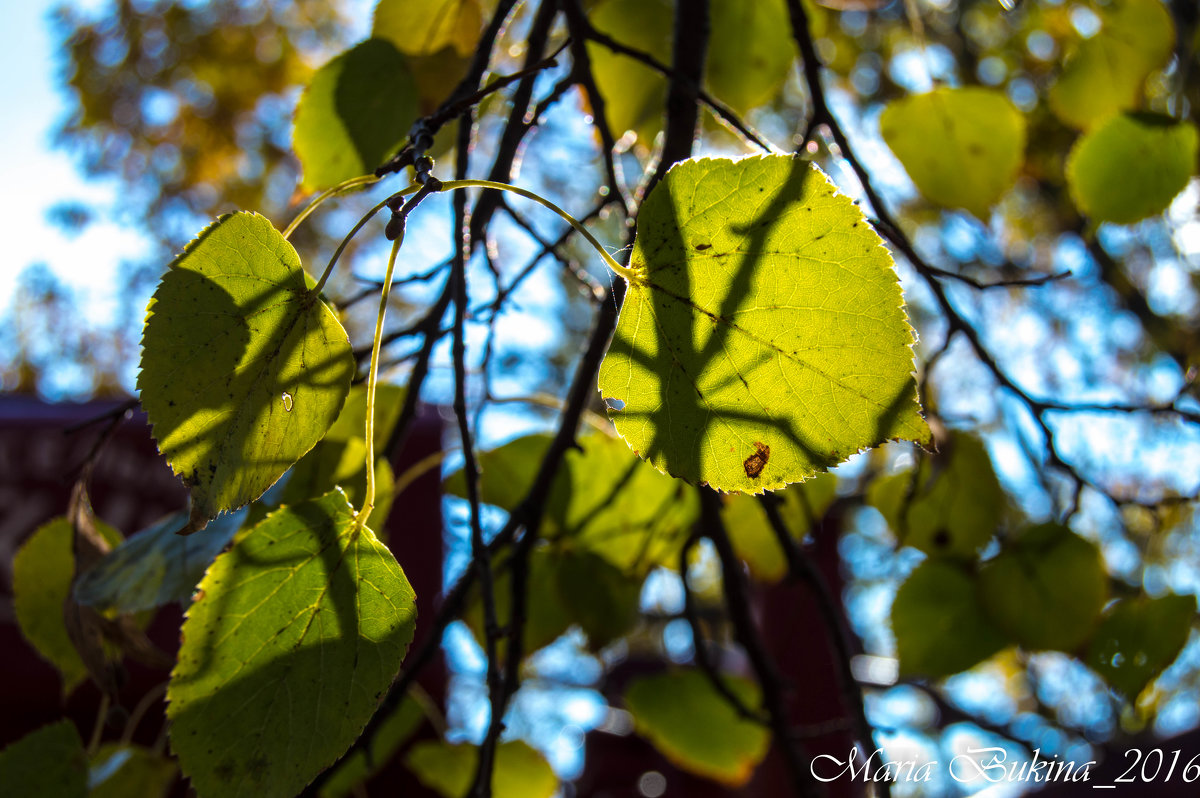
pixel 762 339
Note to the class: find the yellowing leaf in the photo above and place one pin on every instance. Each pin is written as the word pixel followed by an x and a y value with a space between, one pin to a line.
pixel 1131 167
pixel 763 337
pixel 939 624
pixel 1046 589
pixel 519 771
pixel 962 147
pixel 1105 74
pixel 356 111
pixel 42 572
pixel 423 27
pixel 1138 638
pixel 753 539
pixel 695 727
pixel 243 367
pixel 48 763
pixel 633 92
pixel 296 633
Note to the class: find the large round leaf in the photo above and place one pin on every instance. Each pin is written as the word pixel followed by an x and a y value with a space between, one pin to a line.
pixel 1138 638
pixel 1131 167
pixel 763 337
pixel 296 633
pixel 695 727
pixel 962 147
pixel 1046 589
pixel 1105 74
pixel 939 624
pixel 355 112
pixel 243 366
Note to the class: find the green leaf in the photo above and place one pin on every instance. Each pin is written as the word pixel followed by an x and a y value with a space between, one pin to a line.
pixel 122 771
pixel 1131 167
pixel 603 500
pixel 1046 589
pixel 339 459
pixel 546 618
pixel 47 763
pixel 506 473
pixel 751 535
pixel 954 506
pixel 1138 638
pixel 424 27
pixel 962 147
pixel 356 111
pixel 42 572
pixel 296 634
pixel 1105 74
pixel 156 566
pixel 597 595
pixel 360 765
pixel 519 771
pixel 243 367
pixel 616 506
pixel 750 58
pixel 939 623
pixel 763 337
pixel 633 93
pixel 695 727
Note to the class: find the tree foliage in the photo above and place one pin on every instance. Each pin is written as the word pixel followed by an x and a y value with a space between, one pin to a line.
pixel 791 342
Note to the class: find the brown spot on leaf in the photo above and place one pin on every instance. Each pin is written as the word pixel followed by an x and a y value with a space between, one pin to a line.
pixel 755 463
pixel 702 247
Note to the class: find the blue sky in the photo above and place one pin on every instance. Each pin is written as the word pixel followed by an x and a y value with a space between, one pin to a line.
pixel 36 176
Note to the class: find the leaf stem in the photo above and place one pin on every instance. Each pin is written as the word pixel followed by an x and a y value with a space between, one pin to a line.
pixel 340 188
pixel 337 253
pixel 369 499
pixel 624 271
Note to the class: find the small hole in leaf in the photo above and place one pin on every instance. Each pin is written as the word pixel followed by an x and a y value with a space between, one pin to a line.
pixel 615 405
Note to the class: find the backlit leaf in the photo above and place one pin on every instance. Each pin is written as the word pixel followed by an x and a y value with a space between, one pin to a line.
pixel 961 146
pixel 1046 589
pixel 747 67
pixel 361 764
pixel 633 92
pixel 603 500
pixel 1131 167
pixel 695 727
pixel 156 566
pixel 618 507
pixel 296 633
pixel 751 535
pixel 546 618
pixel 47 763
pixel 1138 638
pixel 939 624
pixel 954 506
pixel 423 27
pixel 243 367
pixel 1105 74
pixel 763 337
pixel 518 772
pixel 42 572
pixel 599 597
pixel 339 459
pixel 356 111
